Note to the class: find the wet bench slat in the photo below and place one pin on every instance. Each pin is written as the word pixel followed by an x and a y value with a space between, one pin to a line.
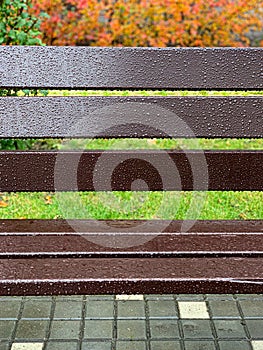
pixel 116 116
pixel 23 171
pixel 56 238
pixel 131 68
pixel 113 275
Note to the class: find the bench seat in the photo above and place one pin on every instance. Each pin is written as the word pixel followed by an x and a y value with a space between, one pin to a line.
pixel 47 257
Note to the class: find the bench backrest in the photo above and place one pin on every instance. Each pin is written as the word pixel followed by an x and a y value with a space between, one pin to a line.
pixel 131 68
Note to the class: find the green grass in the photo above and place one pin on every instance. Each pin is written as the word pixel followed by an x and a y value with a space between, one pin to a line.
pixel 168 144
pixel 141 205
pixel 153 93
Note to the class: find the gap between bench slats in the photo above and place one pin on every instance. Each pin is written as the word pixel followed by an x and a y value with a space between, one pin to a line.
pixel 118 116
pixel 136 68
pixel 160 170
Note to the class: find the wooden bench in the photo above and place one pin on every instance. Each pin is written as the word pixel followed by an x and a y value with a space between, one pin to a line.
pixel 96 256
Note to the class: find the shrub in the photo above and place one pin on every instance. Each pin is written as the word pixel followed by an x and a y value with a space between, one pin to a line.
pixel 149 23
pixel 18 27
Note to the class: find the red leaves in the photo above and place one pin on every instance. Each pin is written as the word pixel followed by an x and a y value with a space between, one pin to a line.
pixel 149 23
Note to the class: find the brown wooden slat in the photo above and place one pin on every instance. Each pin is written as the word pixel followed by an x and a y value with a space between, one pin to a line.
pixel 132 275
pixel 123 68
pixel 25 238
pixel 138 246
pixel 131 116
pixel 129 276
pixel 61 226
pixel 71 171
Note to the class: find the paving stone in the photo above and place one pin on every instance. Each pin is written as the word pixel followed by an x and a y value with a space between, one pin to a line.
pixel 96 345
pixel 255 328
pixel 250 296
pixel 197 329
pixel 252 308
pixel 13 298
pixel 98 329
pixel 190 297
pixel 4 345
pixel 65 330
pixel 6 329
pixel 131 309
pixel 229 329
pixel 218 297
pixel 164 329
pixel 234 345
pixel 131 329
pixel 257 344
pixel 31 329
pixel 162 308
pixel 226 308
pixel 159 297
pixel 165 345
pixel 193 309
pixel 200 345
pixel 68 310
pixel 27 346
pixel 62 346
pixel 69 298
pixel 100 297
pixel 130 345
pixel 129 297
pixel 99 309
pixel 39 298
pixel 36 309
pixel 9 308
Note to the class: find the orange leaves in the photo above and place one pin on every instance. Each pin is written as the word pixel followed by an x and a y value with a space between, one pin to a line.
pixel 3 201
pixel 149 23
pixel 3 204
pixel 48 199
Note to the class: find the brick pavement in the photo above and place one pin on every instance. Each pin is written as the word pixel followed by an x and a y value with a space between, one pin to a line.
pixel 149 322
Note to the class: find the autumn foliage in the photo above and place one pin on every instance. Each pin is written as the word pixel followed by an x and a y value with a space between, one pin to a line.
pixel 149 22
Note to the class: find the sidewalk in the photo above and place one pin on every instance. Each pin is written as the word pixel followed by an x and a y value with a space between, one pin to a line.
pixel 149 322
